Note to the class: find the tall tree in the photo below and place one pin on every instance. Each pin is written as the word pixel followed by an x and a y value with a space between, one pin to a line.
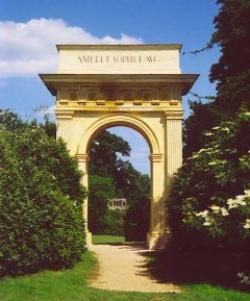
pixel 104 153
pixel 231 73
pixel 203 117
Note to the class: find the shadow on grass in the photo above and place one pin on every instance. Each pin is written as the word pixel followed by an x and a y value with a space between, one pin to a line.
pixel 216 268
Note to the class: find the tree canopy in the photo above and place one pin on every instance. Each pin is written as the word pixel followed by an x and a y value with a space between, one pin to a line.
pixel 231 74
pixel 232 71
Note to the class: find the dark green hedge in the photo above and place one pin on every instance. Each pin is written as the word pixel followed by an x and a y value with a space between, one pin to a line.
pixel 114 222
pixel 136 222
pixel 41 225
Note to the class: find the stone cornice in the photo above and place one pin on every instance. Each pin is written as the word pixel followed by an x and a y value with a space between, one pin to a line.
pixel 65 114
pixel 119 47
pixel 185 81
pixel 173 115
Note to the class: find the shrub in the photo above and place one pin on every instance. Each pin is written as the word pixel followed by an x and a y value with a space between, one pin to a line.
pixel 209 203
pixel 41 224
pixel 114 222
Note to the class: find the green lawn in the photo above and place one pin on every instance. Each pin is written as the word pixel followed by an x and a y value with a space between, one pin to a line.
pixel 107 239
pixel 71 285
pixel 113 240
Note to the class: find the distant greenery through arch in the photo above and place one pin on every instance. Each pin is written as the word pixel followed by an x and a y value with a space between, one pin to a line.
pixel 109 177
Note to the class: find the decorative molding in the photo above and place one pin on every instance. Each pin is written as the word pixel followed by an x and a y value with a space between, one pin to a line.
pixel 82 102
pixel 65 114
pixel 63 102
pixel 119 102
pixel 114 92
pixel 55 82
pixel 156 157
pixel 100 102
pixel 173 115
pixel 112 47
pixel 82 158
pixel 137 102
pixel 173 102
pixel 155 102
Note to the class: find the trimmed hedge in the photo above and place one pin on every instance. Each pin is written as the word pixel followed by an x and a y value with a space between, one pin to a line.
pixel 41 225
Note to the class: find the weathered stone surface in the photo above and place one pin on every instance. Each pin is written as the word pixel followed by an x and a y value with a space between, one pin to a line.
pixel 93 94
pixel 119 59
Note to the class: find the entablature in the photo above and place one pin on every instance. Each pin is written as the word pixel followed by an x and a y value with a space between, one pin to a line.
pixel 109 85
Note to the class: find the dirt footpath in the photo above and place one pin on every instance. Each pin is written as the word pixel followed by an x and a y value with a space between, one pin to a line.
pixel 122 268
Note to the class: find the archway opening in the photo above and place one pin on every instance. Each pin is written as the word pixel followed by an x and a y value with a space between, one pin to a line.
pixel 119 185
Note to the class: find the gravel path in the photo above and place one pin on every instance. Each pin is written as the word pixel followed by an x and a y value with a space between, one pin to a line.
pixel 122 268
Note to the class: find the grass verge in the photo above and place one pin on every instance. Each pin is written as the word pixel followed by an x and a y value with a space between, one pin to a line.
pixel 71 285
pixel 108 239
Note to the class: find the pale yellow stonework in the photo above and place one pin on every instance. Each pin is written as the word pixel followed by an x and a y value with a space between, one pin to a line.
pixel 138 86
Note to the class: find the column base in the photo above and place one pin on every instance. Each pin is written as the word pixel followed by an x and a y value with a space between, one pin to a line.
pixel 157 240
pixel 88 238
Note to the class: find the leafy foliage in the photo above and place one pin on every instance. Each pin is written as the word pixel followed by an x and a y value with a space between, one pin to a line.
pixel 231 73
pixel 9 120
pixel 104 153
pixel 209 204
pixel 136 224
pixel 114 222
pixel 110 176
pixel 203 116
pixel 137 221
pixel 40 202
pixel 101 190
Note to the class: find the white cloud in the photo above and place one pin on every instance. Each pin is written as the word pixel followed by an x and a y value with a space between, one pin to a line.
pixel 27 49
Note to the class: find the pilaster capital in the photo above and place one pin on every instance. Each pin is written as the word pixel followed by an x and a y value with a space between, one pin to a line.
pixel 82 158
pixel 156 157
pixel 173 115
pixel 64 114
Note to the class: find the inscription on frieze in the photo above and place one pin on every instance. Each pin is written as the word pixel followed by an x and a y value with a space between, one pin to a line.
pixel 122 59
pixel 119 59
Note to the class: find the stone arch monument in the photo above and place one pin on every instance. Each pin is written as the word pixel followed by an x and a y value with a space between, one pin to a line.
pixel 138 86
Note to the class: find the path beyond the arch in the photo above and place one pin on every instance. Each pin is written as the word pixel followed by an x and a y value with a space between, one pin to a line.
pixel 123 268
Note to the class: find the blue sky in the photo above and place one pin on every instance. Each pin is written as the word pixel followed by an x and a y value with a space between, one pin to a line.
pixel 29 31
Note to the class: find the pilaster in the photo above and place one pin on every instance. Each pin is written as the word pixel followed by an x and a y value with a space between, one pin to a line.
pixel 157 237
pixel 83 166
pixel 63 126
pixel 173 141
